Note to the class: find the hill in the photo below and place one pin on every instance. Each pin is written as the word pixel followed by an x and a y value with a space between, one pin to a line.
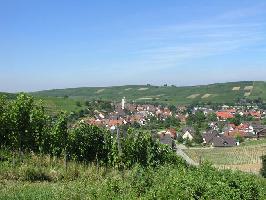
pixel 8 95
pixel 215 93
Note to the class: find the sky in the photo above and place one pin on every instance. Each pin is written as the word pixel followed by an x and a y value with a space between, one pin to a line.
pixel 74 43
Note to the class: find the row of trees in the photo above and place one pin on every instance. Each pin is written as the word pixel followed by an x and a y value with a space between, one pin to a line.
pixel 25 127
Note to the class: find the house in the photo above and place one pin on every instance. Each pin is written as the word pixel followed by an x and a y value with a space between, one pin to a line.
pixel 187 133
pixel 167 139
pixel 215 139
pixel 209 136
pixel 172 132
pixel 259 129
pixel 224 115
pixel 261 133
pixel 255 114
pixel 222 141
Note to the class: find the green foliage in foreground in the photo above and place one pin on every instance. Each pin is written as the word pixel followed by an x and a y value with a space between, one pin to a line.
pixel 41 177
pixel 24 127
pixel 263 169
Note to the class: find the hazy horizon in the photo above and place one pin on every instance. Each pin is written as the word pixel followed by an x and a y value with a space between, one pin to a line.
pixel 66 44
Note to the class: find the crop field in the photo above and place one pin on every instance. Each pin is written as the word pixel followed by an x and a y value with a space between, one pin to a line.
pixel 244 158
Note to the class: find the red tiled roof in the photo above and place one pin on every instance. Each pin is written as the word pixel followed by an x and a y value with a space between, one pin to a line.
pixel 224 115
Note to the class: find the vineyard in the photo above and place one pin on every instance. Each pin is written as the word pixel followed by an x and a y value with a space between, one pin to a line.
pixel 245 158
pixel 45 157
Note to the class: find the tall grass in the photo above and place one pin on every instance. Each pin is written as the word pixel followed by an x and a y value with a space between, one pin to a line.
pixel 42 177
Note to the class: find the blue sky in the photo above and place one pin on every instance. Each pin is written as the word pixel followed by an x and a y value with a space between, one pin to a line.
pixel 65 43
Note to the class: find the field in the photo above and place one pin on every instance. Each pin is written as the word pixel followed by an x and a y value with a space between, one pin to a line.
pixel 216 93
pixel 245 157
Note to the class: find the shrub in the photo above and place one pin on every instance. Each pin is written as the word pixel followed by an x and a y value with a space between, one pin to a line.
pixel 36 174
pixel 263 169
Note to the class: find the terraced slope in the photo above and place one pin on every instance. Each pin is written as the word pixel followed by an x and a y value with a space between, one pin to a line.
pixel 217 93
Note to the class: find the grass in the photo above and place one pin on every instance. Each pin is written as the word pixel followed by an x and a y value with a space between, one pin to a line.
pixel 246 157
pixel 40 177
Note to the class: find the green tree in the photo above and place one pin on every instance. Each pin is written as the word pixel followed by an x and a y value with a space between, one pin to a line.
pixel 211 117
pixel 59 135
pixel 20 114
pixel 263 169
pixel 4 121
pixel 197 136
pixel 171 122
pixel 172 108
pixel 236 120
pixel 87 143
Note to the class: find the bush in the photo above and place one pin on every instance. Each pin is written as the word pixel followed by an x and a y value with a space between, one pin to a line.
pixel 263 169
pixel 36 174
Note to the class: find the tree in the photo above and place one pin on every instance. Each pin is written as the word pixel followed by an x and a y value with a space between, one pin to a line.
pixel 211 117
pixel 263 169
pixel 171 122
pixel 78 103
pixel 59 135
pixel 20 115
pixel 87 143
pixel 239 138
pixel 236 120
pixel 4 121
pixel 198 137
pixel 196 119
pixel 172 108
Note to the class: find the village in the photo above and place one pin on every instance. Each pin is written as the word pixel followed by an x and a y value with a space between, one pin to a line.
pixel 205 126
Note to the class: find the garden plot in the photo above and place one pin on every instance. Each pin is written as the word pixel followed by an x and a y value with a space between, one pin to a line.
pixel 193 96
pixel 145 98
pixel 247 94
pixel 127 89
pixel 99 91
pixel 236 88
pixel 248 87
pixel 205 96
pixel 142 89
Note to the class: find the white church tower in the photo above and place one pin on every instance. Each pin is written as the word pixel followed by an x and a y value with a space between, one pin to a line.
pixel 123 103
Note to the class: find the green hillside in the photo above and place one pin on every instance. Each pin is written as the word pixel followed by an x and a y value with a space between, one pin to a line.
pixel 8 95
pixel 66 99
pixel 216 93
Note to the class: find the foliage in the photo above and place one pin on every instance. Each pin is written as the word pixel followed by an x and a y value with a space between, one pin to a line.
pixel 59 135
pixel 151 170
pixel 263 169
pixel 211 117
pixel 25 124
pixel 87 143
pixel 236 120
pixel 198 118
pixel 91 182
pixel 31 130
pixel 161 123
pixel 197 136
pixel 239 138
